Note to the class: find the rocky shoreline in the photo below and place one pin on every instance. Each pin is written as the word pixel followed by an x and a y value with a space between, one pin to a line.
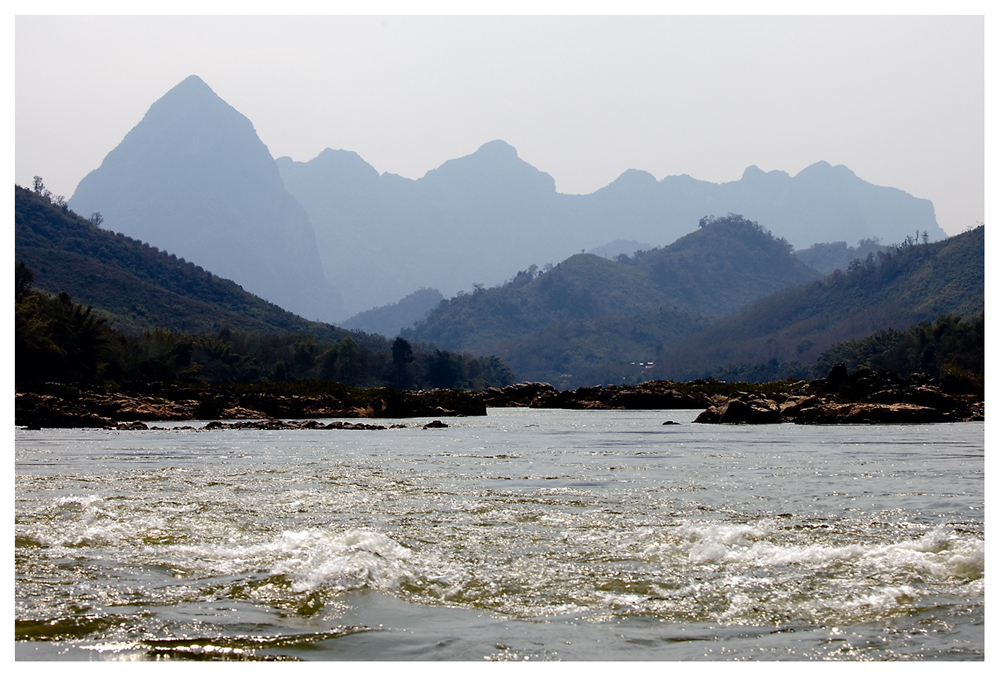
pixel 865 396
pixel 75 407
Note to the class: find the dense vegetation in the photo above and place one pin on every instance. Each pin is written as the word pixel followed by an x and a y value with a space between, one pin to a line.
pixel 827 257
pixel 59 340
pixel 784 334
pixel 949 346
pixel 608 350
pixel 589 319
pixel 721 267
pixel 148 316
pixel 138 285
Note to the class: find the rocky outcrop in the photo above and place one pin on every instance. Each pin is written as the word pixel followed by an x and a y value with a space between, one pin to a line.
pixel 649 395
pixel 517 395
pixel 389 403
pixel 276 424
pixel 75 407
pixel 743 408
pixel 48 411
pixel 863 397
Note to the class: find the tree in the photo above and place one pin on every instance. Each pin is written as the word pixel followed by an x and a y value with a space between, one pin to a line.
pixel 349 361
pixel 442 372
pixel 23 277
pixel 96 219
pixel 402 355
pixel 40 189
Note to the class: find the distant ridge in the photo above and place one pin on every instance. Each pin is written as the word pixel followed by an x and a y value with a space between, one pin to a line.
pixel 331 237
pixel 727 298
pixel 192 177
pixel 587 311
pixel 390 320
pixel 478 218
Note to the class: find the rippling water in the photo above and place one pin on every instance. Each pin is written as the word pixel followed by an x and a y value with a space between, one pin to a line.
pixel 524 535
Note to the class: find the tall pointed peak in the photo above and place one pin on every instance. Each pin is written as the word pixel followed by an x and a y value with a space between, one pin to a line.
pixel 191 96
pixel 191 88
pixel 194 178
pixel 192 82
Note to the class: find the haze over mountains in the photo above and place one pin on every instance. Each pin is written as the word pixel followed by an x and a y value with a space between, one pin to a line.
pixel 193 178
pixel 728 300
pixel 142 288
pixel 478 218
pixel 721 267
pixel 898 288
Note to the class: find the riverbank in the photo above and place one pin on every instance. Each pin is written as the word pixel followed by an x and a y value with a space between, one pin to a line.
pixel 865 396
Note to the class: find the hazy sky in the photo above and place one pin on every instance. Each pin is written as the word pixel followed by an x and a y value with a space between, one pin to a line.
pixel 899 100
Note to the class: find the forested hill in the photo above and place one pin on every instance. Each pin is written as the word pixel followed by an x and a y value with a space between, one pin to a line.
pixel 141 286
pixel 722 266
pixel 480 217
pixel 895 289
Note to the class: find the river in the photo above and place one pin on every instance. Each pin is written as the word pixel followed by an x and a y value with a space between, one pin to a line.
pixel 523 535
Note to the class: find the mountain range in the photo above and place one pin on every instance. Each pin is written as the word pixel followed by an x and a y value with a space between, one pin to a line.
pixel 718 269
pixel 729 298
pixel 475 219
pixel 193 178
pixel 331 237
pixel 587 320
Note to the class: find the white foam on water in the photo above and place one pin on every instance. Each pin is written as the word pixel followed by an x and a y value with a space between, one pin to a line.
pixel 88 521
pixel 315 559
pixel 757 572
pixel 354 559
pixel 940 552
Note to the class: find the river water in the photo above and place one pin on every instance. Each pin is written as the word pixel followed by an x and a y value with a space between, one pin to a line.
pixel 522 535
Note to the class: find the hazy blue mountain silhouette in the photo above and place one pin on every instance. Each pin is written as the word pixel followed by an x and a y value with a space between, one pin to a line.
pixel 477 219
pixel 466 222
pixel 194 178
pixel 389 320
pixel 619 247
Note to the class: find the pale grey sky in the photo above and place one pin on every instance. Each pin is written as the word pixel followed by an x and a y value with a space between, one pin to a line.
pixel 898 99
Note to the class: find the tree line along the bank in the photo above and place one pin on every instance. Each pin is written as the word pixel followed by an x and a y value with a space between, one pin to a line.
pixel 57 339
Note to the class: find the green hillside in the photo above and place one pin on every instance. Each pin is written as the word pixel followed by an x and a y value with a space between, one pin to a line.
pixel 390 319
pixel 98 308
pixel 589 319
pixel 904 286
pixel 608 350
pixel 580 288
pixel 140 286
pixel 719 268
